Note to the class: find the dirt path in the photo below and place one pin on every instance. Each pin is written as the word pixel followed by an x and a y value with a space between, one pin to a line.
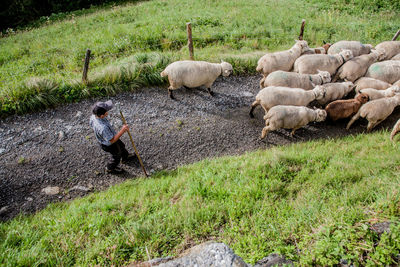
pixel 57 147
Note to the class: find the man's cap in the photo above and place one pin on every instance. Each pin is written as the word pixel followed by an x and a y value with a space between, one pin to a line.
pixel 102 107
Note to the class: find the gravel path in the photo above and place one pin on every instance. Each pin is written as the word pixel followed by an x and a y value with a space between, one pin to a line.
pixel 57 147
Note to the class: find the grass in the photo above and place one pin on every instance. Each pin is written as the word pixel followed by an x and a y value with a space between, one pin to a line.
pixel 313 202
pixel 133 42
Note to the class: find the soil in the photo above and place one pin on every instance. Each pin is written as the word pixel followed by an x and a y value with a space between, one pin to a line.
pixel 57 147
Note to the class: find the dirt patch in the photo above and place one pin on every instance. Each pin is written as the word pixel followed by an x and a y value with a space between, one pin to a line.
pixel 57 147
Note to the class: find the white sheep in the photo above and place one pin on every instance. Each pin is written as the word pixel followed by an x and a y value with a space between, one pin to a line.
pixel 296 80
pixel 193 74
pixel 395 130
pixel 365 82
pixel 335 91
pixel 290 117
pixel 396 57
pixel 376 94
pixel 310 64
pixel 387 71
pixel 391 48
pixel 355 46
pixel 358 66
pixel 376 111
pixel 282 60
pixel 275 95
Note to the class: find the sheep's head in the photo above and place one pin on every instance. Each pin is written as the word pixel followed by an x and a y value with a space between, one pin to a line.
pixel 362 98
pixel 395 89
pixel 319 92
pixel 326 47
pixel 349 85
pixel 321 115
pixel 346 54
pixel 325 76
pixel 303 45
pixel 370 46
pixel 380 54
pixel 227 68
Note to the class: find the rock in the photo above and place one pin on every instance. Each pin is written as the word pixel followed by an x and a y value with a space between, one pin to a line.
pixel 80 188
pixel 61 135
pixel 38 129
pixel 3 210
pixel 51 190
pixel 248 94
pixel 2 150
pixel 206 254
pixel 273 260
pixel 29 199
pixel 380 228
pixel 68 127
pixel 78 114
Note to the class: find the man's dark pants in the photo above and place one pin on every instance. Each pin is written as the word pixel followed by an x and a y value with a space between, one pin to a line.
pixel 117 151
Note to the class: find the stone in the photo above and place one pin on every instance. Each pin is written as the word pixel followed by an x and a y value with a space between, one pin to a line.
pixel 3 210
pixel 207 254
pixel 61 135
pixel 273 260
pixel 248 94
pixel 51 190
pixel 380 228
pixel 78 114
pixel 80 188
pixel 29 199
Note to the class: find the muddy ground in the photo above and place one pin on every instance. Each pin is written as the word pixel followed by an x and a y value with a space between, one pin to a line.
pixel 57 147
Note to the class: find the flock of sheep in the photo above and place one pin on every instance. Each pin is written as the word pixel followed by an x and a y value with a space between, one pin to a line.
pixel 294 78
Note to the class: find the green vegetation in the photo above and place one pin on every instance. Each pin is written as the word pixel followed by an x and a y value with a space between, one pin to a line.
pixel 132 43
pixel 313 202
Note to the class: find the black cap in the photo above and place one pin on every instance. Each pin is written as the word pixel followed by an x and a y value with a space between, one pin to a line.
pixel 101 108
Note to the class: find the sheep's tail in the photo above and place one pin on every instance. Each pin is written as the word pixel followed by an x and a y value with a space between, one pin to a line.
pixel 163 73
pixel 395 130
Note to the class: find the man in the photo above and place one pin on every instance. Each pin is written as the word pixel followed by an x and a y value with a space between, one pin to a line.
pixel 108 138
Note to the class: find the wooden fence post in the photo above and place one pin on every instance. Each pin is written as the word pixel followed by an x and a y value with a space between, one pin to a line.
pixel 86 67
pixel 190 41
pixel 303 23
pixel 396 35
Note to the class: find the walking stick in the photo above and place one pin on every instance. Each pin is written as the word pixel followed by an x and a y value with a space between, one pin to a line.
pixel 133 144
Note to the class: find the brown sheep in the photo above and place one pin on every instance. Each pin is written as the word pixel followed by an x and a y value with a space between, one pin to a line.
pixel 341 109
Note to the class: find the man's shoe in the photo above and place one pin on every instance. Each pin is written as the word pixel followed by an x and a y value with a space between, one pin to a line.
pixel 116 170
pixel 131 158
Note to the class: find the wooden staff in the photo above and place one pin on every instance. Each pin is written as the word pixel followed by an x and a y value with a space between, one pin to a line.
pixel 133 144
pixel 190 40
pixel 396 35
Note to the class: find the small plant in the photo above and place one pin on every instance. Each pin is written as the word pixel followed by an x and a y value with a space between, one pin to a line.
pixel 21 160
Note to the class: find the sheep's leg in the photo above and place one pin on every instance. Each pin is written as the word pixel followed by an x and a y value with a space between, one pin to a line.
pixel 210 92
pixel 355 117
pixel 293 130
pixel 372 125
pixel 264 132
pixel 253 106
pixel 170 94
pixel 262 81
pixel 395 130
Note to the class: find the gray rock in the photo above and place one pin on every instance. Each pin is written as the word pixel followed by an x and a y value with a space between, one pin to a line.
pixel 2 150
pixel 78 114
pixel 51 190
pixel 61 135
pixel 3 210
pixel 247 93
pixel 273 260
pixel 80 188
pixel 380 228
pixel 208 254
pixel 29 199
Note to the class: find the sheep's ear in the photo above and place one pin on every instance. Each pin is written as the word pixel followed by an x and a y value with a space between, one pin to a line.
pixel 313 85
pixel 222 61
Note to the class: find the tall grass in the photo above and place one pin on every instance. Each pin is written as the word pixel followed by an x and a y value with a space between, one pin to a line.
pixel 221 29
pixel 313 202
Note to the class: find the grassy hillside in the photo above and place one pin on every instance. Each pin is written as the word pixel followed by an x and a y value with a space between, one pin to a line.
pixel 313 202
pixel 132 43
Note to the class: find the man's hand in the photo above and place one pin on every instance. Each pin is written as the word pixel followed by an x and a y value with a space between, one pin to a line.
pixel 125 128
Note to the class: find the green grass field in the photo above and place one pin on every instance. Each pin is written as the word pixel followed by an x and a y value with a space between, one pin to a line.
pixel 132 43
pixel 313 202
